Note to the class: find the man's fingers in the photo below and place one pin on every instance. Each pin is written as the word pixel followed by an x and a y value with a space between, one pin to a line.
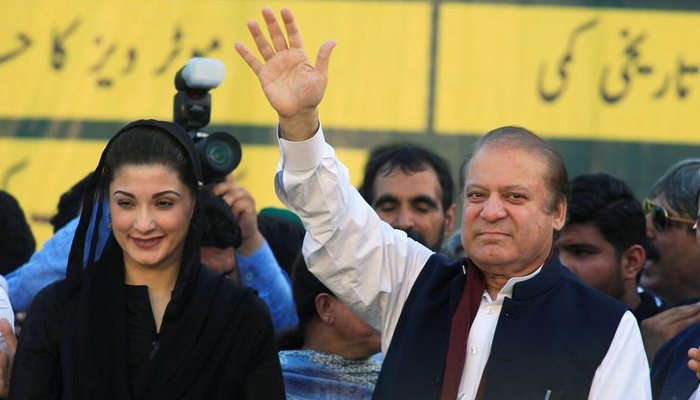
pixel 249 58
pixel 682 312
pixel 324 56
pixel 261 42
pixel 290 26
pixel 274 29
pixel 676 314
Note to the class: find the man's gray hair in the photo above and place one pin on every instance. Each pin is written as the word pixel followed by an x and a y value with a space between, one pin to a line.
pixel 521 138
pixel 679 186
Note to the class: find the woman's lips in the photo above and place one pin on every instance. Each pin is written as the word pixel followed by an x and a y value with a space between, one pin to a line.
pixel 147 243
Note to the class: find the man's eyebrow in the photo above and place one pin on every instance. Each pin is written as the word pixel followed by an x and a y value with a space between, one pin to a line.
pixel 474 186
pixel 424 199
pixel 385 198
pixel 515 187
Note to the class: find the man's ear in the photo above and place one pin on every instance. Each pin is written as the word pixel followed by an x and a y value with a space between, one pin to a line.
pixel 324 308
pixel 450 215
pixel 559 215
pixel 631 261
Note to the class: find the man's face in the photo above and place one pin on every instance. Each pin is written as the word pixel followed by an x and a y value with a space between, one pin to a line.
pixel 507 224
pixel 584 250
pixel 413 203
pixel 365 340
pixel 672 271
pixel 220 261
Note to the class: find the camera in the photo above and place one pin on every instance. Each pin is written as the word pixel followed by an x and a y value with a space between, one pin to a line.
pixel 219 152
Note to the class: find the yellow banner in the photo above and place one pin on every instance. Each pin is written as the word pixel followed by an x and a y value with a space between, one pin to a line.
pixel 116 60
pixel 565 72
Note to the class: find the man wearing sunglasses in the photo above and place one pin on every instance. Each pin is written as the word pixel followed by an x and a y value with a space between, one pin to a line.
pixel 672 271
pixel 603 240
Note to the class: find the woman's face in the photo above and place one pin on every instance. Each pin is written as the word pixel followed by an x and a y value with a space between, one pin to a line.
pixel 150 209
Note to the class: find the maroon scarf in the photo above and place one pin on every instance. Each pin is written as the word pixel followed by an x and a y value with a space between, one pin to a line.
pixel 459 332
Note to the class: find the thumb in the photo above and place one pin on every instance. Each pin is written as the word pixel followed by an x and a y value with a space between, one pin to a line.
pixel 323 57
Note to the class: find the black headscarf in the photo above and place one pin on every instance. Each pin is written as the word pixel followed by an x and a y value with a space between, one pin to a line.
pixel 203 325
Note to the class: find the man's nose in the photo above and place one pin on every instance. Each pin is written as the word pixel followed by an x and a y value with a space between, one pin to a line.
pixel 404 219
pixel 493 209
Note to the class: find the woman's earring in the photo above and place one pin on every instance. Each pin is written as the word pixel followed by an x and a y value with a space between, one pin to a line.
pixel 109 222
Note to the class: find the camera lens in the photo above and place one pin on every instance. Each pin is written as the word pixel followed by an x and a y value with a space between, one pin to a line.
pixel 220 154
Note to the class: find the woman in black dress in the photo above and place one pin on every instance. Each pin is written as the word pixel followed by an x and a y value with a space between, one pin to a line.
pixel 144 319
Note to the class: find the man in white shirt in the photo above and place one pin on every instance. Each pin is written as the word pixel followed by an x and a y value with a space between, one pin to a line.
pixel 510 322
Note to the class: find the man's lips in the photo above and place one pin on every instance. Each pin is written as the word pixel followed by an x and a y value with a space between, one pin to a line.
pixel 490 233
pixel 147 243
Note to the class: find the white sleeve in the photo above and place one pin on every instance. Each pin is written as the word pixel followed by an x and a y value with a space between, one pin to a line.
pixel 624 372
pixel 364 261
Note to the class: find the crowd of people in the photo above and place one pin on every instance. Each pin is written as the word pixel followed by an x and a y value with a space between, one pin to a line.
pixel 157 286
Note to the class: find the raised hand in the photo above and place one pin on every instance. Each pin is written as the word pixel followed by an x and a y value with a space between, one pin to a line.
pixel 291 84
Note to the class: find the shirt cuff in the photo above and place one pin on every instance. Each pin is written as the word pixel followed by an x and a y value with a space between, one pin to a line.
pixel 305 155
pixel 256 265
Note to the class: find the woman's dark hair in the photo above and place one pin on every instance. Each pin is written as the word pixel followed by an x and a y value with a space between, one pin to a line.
pixel 147 145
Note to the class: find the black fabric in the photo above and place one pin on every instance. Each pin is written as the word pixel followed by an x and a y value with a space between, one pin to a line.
pixel 552 335
pixel 647 307
pixel 215 339
pixel 141 334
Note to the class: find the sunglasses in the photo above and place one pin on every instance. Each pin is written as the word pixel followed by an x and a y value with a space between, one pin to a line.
pixel 660 217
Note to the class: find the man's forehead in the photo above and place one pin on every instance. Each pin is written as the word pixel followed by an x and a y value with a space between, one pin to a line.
pixel 397 179
pixel 508 165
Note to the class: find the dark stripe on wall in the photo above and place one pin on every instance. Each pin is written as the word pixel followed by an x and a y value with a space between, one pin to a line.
pixel 639 164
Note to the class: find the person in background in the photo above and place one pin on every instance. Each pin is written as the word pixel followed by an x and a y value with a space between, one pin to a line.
pixel 676 368
pixel 672 271
pixel 232 245
pixel 328 356
pixel 603 240
pixel 16 239
pixel 69 204
pixel 284 233
pixel 411 189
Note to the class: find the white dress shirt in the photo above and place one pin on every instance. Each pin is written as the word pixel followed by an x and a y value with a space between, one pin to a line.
pixel 695 395
pixel 372 267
